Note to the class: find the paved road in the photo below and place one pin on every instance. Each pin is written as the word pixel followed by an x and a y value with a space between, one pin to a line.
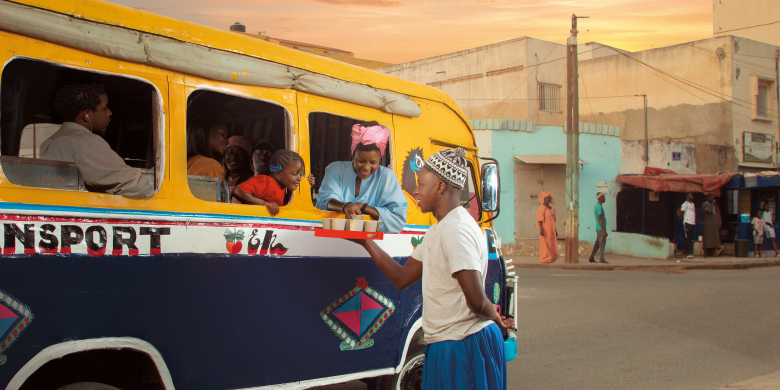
pixel 693 330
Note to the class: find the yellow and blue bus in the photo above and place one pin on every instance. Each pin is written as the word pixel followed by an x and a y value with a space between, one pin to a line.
pixel 185 288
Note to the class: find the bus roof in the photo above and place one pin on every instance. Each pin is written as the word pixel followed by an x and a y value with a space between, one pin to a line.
pixel 134 19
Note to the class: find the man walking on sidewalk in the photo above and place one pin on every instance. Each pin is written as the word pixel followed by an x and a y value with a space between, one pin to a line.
pixel 689 223
pixel 601 229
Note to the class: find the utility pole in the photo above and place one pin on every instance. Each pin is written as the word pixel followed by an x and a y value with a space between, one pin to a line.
pixel 572 148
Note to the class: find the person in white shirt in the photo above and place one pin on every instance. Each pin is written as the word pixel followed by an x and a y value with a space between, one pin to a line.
pixel 84 108
pixel 689 223
pixel 465 347
pixel 758 233
pixel 769 229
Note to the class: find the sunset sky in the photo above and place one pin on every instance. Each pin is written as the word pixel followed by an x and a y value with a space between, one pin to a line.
pixel 397 31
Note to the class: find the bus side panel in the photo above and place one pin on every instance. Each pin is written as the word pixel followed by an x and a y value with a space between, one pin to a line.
pixel 219 321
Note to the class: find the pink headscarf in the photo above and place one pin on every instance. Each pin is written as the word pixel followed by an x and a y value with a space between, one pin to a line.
pixel 370 135
pixel 241 142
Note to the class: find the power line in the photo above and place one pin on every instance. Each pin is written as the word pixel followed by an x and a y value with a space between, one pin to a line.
pixel 745 28
pixel 465 52
pixel 696 86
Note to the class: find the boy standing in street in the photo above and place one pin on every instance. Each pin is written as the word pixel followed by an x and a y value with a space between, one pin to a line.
pixel 601 229
pixel 689 223
pixel 758 233
pixel 465 348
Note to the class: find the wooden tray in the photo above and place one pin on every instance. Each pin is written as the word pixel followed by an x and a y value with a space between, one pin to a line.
pixel 320 232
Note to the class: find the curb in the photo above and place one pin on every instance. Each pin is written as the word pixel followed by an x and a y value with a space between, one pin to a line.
pixel 670 267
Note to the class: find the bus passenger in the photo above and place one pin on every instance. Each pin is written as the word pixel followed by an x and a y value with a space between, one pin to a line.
pixel 362 186
pixel 275 190
pixel 84 107
pixel 206 143
pixel 238 168
pixel 261 158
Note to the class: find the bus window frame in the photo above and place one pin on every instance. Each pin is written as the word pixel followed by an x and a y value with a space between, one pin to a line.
pixel 308 104
pixel 390 161
pixel 158 115
pixel 289 128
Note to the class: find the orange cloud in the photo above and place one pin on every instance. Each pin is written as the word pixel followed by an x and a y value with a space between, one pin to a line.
pixel 403 30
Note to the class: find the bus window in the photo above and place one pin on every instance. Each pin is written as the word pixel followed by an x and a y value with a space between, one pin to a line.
pixel 27 91
pixel 469 198
pixel 331 140
pixel 255 129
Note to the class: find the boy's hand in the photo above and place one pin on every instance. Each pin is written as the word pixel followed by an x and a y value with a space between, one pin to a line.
pixel 272 207
pixel 502 321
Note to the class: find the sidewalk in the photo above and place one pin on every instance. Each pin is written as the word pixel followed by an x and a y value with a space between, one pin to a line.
pixel 628 263
pixel 766 382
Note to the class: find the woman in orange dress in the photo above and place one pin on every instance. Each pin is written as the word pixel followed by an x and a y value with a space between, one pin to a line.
pixel 548 236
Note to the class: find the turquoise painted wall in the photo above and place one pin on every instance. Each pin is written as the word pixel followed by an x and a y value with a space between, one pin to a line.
pixel 602 153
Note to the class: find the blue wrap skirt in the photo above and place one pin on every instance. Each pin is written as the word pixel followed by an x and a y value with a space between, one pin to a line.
pixel 474 363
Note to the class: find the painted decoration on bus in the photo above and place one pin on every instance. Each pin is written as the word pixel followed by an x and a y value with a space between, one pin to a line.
pixel 26 235
pixel 357 315
pixel 15 317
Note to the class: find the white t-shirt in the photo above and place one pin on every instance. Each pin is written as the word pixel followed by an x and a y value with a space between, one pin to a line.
pixel 758 225
pixel 768 218
pixel 455 243
pixel 690 213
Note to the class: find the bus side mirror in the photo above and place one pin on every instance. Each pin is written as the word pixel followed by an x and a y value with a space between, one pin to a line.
pixel 491 187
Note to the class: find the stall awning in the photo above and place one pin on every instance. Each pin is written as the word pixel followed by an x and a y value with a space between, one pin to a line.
pixel 544 159
pixel 708 184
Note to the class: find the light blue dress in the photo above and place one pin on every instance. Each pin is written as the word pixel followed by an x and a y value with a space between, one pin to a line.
pixel 380 191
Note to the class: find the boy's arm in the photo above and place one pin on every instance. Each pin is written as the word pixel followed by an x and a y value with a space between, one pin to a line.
pixel 401 276
pixel 471 284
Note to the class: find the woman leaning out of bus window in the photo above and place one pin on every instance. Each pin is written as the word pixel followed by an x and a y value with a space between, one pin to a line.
pixel 275 190
pixel 362 186
pixel 206 142
pixel 238 168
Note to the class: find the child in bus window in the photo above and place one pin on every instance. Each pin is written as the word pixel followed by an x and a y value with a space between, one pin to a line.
pixel 238 168
pixel 275 190
pixel 206 143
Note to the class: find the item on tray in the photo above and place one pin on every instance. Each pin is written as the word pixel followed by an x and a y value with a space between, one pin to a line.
pixel 355 225
pixel 338 224
pixel 370 226
pixel 327 223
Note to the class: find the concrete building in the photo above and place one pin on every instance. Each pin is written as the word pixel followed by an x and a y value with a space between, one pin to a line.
pixel 712 107
pixel 758 20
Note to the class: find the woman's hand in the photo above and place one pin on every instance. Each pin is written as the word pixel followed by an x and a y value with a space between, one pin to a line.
pixel 312 180
pixel 272 207
pixel 352 209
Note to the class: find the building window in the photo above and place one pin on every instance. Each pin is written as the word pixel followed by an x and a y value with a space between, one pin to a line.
pixel 764 96
pixel 549 97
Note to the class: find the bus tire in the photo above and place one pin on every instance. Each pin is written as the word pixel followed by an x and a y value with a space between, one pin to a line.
pixel 410 376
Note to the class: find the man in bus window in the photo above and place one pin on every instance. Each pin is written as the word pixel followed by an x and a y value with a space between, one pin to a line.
pixel 84 107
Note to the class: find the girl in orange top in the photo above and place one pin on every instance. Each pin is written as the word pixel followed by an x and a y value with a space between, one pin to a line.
pixel 275 190
pixel 206 143
pixel 548 236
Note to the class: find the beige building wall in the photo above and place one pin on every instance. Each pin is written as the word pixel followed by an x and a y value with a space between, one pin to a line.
pixel 752 19
pixel 503 80
pixel 693 94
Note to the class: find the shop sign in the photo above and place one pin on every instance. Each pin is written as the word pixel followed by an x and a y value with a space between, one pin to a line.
pixel 751 181
pixel 758 148
pixel 676 156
